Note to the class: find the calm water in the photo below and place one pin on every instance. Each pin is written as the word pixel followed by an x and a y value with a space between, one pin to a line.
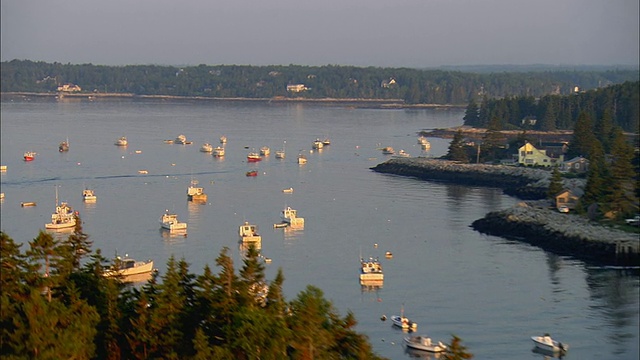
pixel 491 292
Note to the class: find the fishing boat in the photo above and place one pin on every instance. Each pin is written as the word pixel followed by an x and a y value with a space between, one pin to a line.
pixel 170 222
pixel 206 147
pixel 182 140
pixel 403 322
pixel 64 146
pixel 302 159
pixel 29 156
pixel 195 193
pixel 388 150
pixel 425 344
pixel 280 154
pixel 253 157
pixel 265 151
pixel 128 267
pixel 288 190
pixel 326 142
pixel 318 144
pixel 402 153
pixel 63 217
pixel 290 216
pixel 218 151
pixel 223 139
pixel 89 195
pixel 545 342
pixel 371 270
pixel 122 141
pixel 249 233
pixel 252 173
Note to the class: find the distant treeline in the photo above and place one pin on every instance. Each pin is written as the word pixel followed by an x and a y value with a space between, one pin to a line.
pixel 413 86
pixel 619 103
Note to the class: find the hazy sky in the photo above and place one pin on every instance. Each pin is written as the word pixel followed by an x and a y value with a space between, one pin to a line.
pixel 393 33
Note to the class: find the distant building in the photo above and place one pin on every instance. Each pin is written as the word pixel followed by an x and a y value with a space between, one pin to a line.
pixel 529 155
pixel 69 88
pixel 296 88
pixel 576 165
pixel 529 120
pixel 567 198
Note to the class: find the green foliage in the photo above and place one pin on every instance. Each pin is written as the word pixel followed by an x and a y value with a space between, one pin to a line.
pixel 457 150
pixel 555 184
pixel 77 313
pixel 457 351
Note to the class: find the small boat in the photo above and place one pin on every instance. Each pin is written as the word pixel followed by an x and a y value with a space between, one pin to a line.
pixel 326 142
pixel 64 146
pixel 252 173
pixel 128 267
pixel 403 153
pixel 28 203
pixel 422 140
pixel 302 159
pixel 318 144
pixel 403 322
pixel 426 146
pixel 195 193
pixel 88 195
pixel 168 141
pixel 280 154
pixel 206 147
pixel 253 157
pixel 388 150
pixel 425 344
pixel 122 141
pixel 170 222
pixel 143 172
pixel 249 233
pixel 138 151
pixel 223 139
pixel 3 167
pixel 288 190
pixel 29 156
pixel 388 255
pixel 1 195
pixel 63 217
pixel 218 151
pixel 290 216
pixel 182 140
pixel 280 225
pixel 545 342
pixel 265 151
pixel 371 270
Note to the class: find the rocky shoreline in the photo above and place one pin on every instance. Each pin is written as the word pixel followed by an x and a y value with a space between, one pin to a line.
pixel 534 222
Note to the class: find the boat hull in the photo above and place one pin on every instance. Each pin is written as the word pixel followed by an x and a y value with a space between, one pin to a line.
pixel 64 225
pixel 548 344
pixel 424 344
pixel 141 267
pixel 403 323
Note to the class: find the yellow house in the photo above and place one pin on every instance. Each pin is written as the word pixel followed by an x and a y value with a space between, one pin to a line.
pixel 529 155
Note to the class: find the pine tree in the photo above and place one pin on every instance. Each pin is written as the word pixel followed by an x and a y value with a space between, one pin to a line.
pixel 555 184
pixel 583 137
pixel 594 189
pixel 456 351
pixel 456 149
pixel 471 115
pixel 621 198
pixel 604 130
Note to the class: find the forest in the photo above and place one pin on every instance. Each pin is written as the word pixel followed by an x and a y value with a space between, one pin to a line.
pixel 58 304
pixel 412 86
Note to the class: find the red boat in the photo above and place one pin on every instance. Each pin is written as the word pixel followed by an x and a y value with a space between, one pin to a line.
pixel 253 157
pixel 252 173
pixel 29 156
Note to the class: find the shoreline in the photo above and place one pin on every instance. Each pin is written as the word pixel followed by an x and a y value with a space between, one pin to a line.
pixel 533 222
pixel 354 102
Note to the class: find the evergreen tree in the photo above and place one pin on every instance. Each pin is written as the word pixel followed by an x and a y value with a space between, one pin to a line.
pixel 456 351
pixel 583 137
pixel 555 184
pixel 594 189
pixel 493 140
pixel 621 198
pixel 471 115
pixel 457 151
pixel 548 121
pixel 603 130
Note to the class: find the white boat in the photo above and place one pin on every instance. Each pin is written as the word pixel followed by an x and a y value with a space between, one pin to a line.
pixel 388 150
pixel 302 159
pixel 326 142
pixel 280 154
pixel 206 147
pixel 425 344
pixel 122 141
pixel 170 222
pixel 195 193
pixel 218 151
pixel 403 322
pixel 402 153
pixel 318 144
pixel 422 140
pixel 371 270
pixel 545 342
pixel 249 233
pixel 29 156
pixel 265 151
pixel 181 140
pixel 223 139
pixel 253 157
pixel 64 146
pixel 128 267
pixel 89 195
pixel 290 216
pixel 63 218
pixel 288 190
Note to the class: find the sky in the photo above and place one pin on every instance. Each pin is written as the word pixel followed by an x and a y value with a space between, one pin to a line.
pixel 391 33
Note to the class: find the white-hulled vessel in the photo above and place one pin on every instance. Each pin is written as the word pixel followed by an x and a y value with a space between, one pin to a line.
pixel 371 270
pixel 170 222
pixel 128 267
pixel 545 342
pixel 63 218
pixel 195 193
pixel 425 344
pixel 89 195
pixel 290 216
pixel 122 141
pixel 265 151
pixel 249 233
pixel 206 147
pixel 218 151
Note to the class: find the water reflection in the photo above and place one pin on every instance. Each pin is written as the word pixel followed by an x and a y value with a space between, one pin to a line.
pixel 174 236
pixel 417 354
pixel 547 354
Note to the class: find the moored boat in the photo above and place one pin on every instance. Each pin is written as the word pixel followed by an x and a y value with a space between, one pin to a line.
pixel 403 322
pixel 371 270
pixel 253 157
pixel 388 150
pixel 545 342
pixel 195 193
pixel 318 144
pixel 170 222
pixel 218 151
pixel 402 153
pixel 29 156
pixel 280 154
pixel 302 159
pixel 89 195
pixel 27 203
pixel 223 139
pixel 288 190
pixel 181 140
pixel 63 217
pixel 64 146
pixel 252 173
pixel 206 147
pixel 122 141
pixel 265 151
pixel 249 233
pixel 326 142
pixel 290 216
pixel 129 267
pixel 425 344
